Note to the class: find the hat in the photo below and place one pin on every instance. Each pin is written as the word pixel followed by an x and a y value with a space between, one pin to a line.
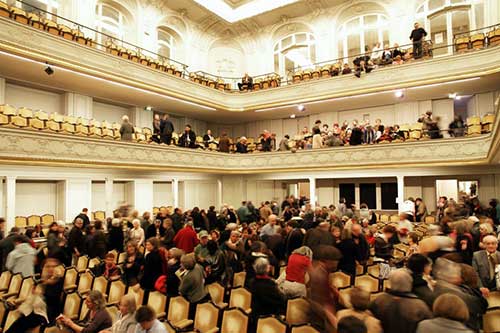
pixel 202 234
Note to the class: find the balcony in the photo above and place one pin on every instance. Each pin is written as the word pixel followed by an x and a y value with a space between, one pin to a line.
pixel 87 63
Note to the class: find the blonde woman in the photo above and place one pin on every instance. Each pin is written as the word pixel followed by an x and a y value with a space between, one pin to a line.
pixel 136 234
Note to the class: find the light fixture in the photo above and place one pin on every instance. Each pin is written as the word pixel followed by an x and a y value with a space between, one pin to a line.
pixel 301 107
pixel 148 108
pixel 292 116
pixel 457 98
pixel 452 95
pixel 399 93
pixel 48 70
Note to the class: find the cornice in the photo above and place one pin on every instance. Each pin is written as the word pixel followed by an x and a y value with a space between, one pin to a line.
pixel 29 147
pixel 38 45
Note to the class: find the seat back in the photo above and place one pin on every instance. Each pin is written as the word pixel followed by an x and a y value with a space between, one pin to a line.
pixel 491 321
pixel 94 262
pixel 216 291
pixel 116 291
pixel 72 305
pixel 21 221
pixel 85 282
pixel 234 320
pixel 100 284
pixel 5 280
pixel 138 294
pixel 15 284
pixel 47 219
pixel 11 318
pixel 100 215
pixel 304 329
pixel 34 220
pixel 340 280
pixel 206 318
pixel 113 312
pixel 82 263
pixel 70 277
pixel 26 288
pixel 270 325
pixel 368 283
pixel 241 298
pixel 178 309
pixel 239 279
pixel 296 311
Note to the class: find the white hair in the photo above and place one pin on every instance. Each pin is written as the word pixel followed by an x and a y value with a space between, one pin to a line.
pixel 125 118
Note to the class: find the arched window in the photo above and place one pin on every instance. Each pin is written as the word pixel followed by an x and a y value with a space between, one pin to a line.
pixel 49 6
pixel 361 31
pixel 443 19
pixel 166 42
pixel 296 50
pixel 111 21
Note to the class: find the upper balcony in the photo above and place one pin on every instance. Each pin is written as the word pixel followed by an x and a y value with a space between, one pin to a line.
pixel 24 49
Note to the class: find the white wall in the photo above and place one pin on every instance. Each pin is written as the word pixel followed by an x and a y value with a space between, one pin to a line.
pixel 109 112
pixel 201 193
pixel 35 99
pixel 162 194
pixel 36 198
pixel 98 196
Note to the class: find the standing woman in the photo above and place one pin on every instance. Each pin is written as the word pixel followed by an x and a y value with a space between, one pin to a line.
pixel 126 130
pixel 99 242
pixel 317 140
pixel 136 234
pixel 134 263
pixel 153 264
pixel 167 240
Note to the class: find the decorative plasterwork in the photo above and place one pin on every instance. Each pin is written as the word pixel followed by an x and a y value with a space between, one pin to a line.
pixel 26 41
pixel 32 147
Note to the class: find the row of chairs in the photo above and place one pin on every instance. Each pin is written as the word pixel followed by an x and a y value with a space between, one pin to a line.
pixel 477 41
pixel 34 220
pixel 218 84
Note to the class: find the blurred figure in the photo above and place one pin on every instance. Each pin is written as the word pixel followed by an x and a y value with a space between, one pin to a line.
pixel 126 130
pixel 450 312
pixel 360 301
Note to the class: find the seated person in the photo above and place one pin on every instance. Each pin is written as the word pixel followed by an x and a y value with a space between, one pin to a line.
pixel 126 318
pixel 242 146
pixel 208 139
pixel 347 69
pixel 335 70
pixel 188 138
pixel 97 318
pixel 246 83
pixel 108 268
pixel 396 51
pixel 398 60
pixel 147 322
pixel 386 136
pixel 386 55
pixel 363 63
pixel 33 311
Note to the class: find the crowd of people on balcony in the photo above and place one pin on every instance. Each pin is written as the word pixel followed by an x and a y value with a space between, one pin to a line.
pixel 443 279
pixel 321 136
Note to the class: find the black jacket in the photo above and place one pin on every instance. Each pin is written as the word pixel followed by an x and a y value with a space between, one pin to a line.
pixel 115 238
pixel 166 127
pixel 212 219
pixel 356 136
pixel 266 298
pixel 76 240
pixel 418 34
pixel 184 142
pixel 152 270
pixel 241 148
pixel 85 219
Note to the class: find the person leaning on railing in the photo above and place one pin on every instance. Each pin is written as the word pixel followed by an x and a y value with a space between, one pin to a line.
pixel 246 83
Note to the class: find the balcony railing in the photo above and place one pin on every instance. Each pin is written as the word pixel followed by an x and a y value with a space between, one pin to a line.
pixel 58 25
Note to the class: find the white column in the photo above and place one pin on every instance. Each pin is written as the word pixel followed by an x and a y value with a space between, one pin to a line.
pixel 78 195
pixel 10 202
pixel 2 90
pixel 175 190
pixel 108 194
pixel 357 195
pixel 312 191
pixel 77 105
pixel 401 192
pixel 218 202
pixel 378 195
pixel 143 195
pixel 141 117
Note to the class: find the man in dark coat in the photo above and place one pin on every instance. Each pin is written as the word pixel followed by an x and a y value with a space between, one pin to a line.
pixel 212 217
pixel 294 238
pixel 166 129
pixel 84 216
pixel 319 236
pixel 417 36
pixel 76 239
pixel 7 245
pixel 188 138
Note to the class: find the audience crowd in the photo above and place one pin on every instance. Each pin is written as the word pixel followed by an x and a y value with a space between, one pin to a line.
pixel 287 250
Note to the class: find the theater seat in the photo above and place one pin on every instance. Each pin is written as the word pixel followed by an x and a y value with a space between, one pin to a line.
pixel 34 220
pixel 39 121
pixel 19 15
pixel 477 41
pixel 239 279
pixel 72 305
pixel 462 44
pixel 271 325
pixel 368 283
pixel 22 118
pixel 69 125
pixel 206 318
pixel 95 128
pixel 340 280
pixel 6 113
pixel 234 320
pixel 82 126
pixel 116 291
pixel 491 321
pixel 241 298
pixel 216 291
pixel 304 329
pixel 138 294
pixel 52 27
pixel 54 122
pixel 4 9
pixel 178 312
pixel 14 287
pixel 473 126
pixel 487 123
pixel 70 279
pixel 494 37
pixel 296 311
pixel 66 32
pixel 21 222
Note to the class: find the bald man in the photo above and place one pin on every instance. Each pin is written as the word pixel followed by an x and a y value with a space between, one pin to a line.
pixel 485 263
pixel 270 227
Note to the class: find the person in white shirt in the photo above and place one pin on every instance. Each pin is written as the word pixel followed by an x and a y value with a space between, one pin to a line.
pixel 269 228
pixel 126 321
pixel 147 322
pixel 136 234
pixel 376 53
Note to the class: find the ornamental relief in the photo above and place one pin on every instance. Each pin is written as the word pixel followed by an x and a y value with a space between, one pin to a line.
pixel 47 147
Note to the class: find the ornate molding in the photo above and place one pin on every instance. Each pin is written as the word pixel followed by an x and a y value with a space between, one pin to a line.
pixel 35 44
pixel 26 147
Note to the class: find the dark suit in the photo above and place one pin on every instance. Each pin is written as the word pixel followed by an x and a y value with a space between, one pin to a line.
pixel 85 219
pixel 188 139
pixel 481 264
pixel 166 130
pixel 246 81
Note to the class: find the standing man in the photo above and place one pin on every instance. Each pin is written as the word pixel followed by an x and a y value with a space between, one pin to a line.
pixel 76 239
pixel 417 36
pixel 156 128
pixel 84 217
pixel 246 82
pixel 166 130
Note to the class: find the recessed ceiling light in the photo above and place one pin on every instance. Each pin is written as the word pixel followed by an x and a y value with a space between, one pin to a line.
pixel 452 95
pixel 149 108
pixel 292 116
pixel 301 107
pixel 399 93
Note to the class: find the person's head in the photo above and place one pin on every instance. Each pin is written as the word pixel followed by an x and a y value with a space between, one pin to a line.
pixel 389 231
pixel 212 247
pixel 54 226
pixel 360 298
pixel 95 301
pixel 272 219
pixel 336 232
pixel 188 261
pixel 324 225
pixel 351 324
pixel 316 130
pixel 261 266
pixel 416 25
pixel 165 116
pixel 490 243
pixel 156 116
pixel 131 247
pixel 127 304
pixel 328 255
pixel 49 266
pixel 401 280
pixel 447 271
pixel 235 236
pixel 203 236
pixel 209 132
pixel 451 307
pixel 78 223
pixel 419 264
pixel 110 259
pixel 152 244
pixel 125 119
pixel 412 238
pixel 485 229
pixel 145 316
pixel 356 230
pixel 136 223
pixel 187 128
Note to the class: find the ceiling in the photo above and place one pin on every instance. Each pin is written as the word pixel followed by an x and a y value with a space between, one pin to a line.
pixel 247 22
pixel 32 74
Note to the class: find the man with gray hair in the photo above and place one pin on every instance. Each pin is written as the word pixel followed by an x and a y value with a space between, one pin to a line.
pixel 449 278
pixel 266 297
pixel 398 309
pixel 485 263
pixel 270 227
